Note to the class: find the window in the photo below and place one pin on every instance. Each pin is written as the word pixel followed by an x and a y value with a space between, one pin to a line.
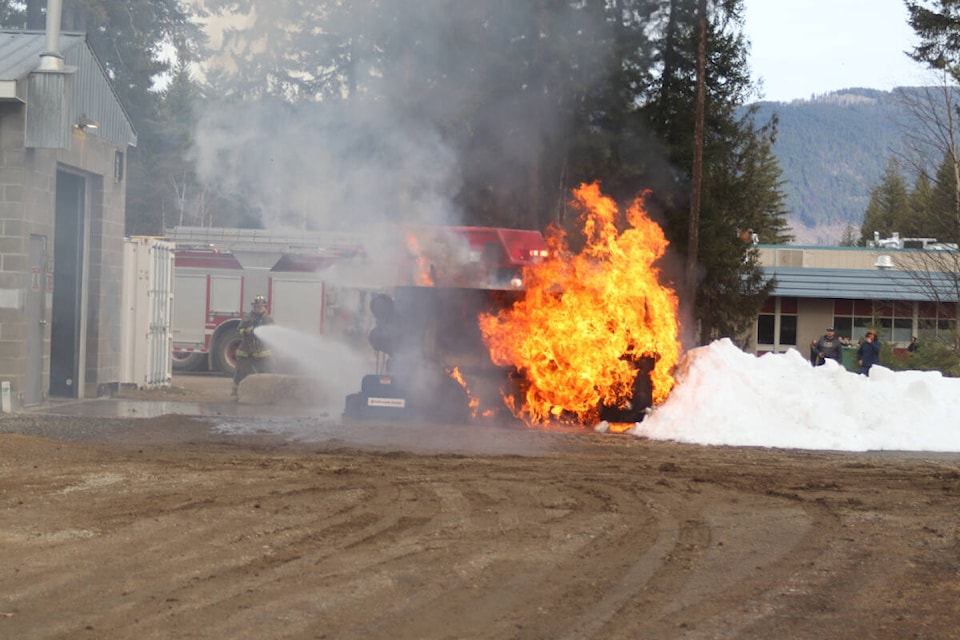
pixel 766 328
pixel 893 320
pixel 788 330
pixel 777 324
pixel 843 313
pixel 902 330
pixel 936 321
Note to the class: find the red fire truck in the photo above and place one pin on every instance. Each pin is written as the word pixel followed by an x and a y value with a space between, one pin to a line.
pixel 323 283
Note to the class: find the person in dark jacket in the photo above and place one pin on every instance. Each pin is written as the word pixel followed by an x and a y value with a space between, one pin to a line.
pixel 868 354
pixel 252 355
pixel 828 346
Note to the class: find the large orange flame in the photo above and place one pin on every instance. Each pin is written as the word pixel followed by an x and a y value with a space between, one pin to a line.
pixel 588 319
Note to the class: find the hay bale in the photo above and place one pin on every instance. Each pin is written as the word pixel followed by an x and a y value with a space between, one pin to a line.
pixel 275 388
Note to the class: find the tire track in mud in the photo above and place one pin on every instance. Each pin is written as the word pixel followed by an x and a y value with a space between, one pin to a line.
pixel 702 562
pixel 223 543
pixel 532 558
pixel 592 540
pixel 364 558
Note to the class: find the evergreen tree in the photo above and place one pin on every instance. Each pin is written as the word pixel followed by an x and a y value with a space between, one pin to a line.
pixel 294 50
pixel 920 200
pixel 937 23
pixel 941 217
pixel 530 96
pixel 761 183
pixel 849 238
pixel 608 140
pixel 168 175
pixel 889 205
pixel 741 181
pixel 938 26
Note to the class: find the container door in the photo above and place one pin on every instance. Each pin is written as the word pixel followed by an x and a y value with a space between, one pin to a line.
pixel 161 313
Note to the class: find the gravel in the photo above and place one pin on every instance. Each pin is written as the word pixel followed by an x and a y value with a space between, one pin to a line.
pixel 66 428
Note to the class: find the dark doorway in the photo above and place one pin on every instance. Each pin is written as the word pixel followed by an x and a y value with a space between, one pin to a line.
pixel 69 232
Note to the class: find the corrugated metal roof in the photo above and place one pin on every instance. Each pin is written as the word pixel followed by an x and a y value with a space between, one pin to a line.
pixel 92 95
pixel 878 284
pixel 20 51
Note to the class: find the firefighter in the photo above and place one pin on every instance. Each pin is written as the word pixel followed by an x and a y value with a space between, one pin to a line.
pixel 252 355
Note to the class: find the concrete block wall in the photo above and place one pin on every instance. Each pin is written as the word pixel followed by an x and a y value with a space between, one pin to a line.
pixel 28 179
pixel 14 247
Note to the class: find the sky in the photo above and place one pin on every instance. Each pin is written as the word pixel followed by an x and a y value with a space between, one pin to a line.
pixel 725 396
pixel 802 48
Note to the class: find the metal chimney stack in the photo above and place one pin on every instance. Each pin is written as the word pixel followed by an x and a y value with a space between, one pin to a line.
pixel 52 59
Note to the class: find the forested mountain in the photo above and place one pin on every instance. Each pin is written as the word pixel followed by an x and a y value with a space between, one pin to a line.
pixel 833 150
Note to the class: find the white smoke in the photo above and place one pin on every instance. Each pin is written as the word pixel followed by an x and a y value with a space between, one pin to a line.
pixel 327 166
pixel 336 367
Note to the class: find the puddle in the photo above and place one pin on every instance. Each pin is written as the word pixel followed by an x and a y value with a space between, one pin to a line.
pixel 122 408
pixel 315 425
pixel 110 408
pixel 394 435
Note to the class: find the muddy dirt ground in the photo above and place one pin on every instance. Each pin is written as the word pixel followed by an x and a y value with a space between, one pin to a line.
pixel 170 527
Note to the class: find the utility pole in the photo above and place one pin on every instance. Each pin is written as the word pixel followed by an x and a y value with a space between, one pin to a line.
pixel 693 244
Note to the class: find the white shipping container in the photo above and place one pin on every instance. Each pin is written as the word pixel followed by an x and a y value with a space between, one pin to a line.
pixel 146 331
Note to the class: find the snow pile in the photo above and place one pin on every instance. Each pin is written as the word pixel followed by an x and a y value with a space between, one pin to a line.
pixel 727 397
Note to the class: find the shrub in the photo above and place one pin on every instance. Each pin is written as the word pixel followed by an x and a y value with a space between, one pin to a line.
pixel 932 356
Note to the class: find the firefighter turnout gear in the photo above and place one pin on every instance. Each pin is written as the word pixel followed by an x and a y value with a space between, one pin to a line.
pixel 252 355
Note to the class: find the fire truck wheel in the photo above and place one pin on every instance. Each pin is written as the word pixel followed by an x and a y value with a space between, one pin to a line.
pixel 189 361
pixel 225 351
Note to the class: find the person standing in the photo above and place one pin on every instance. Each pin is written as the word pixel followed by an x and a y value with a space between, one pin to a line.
pixel 868 354
pixel 252 355
pixel 914 345
pixel 828 346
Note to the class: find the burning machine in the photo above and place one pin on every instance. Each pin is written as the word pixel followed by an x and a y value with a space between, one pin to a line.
pixel 427 339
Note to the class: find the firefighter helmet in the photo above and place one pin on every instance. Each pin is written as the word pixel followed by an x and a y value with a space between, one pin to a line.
pixel 259 300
